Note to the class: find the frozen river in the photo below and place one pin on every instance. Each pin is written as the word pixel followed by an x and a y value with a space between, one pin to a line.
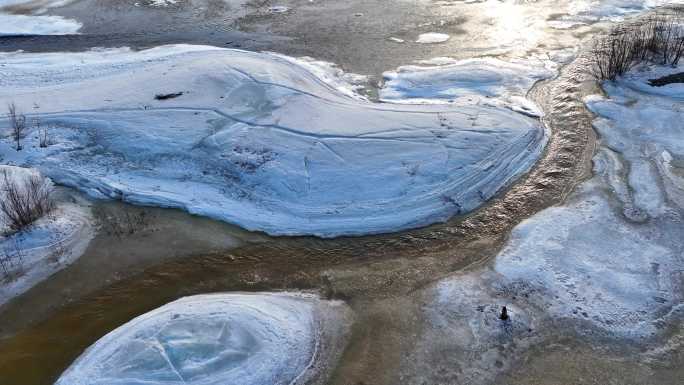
pixel 462 144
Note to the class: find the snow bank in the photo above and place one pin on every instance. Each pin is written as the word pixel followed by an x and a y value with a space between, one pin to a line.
pixel 259 141
pixel 485 81
pixel 49 245
pixel 240 339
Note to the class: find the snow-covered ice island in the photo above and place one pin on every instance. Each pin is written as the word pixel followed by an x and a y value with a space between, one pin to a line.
pixel 266 142
pixel 218 339
pixel 606 264
pixel 50 244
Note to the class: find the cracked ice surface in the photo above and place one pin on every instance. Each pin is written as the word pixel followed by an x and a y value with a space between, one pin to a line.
pixel 239 339
pixel 260 141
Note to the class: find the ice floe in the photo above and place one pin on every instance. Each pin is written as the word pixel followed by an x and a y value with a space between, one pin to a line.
pixel 260 141
pixel 432 38
pixel 50 244
pixel 240 339
pixel 162 3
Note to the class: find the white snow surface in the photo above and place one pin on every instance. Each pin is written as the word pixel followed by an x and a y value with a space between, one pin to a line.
pixel 231 338
pixel 259 141
pixel 482 81
pixel 50 244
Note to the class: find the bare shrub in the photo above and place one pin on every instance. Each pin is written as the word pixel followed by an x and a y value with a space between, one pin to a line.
pixel 11 260
pixel 658 39
pixel 24 202
pixel 42 130
pixel 17 124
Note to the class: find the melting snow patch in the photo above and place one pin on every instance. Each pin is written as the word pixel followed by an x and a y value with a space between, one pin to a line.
pixel 278 9
pixel 162 3
pixel 259 140
pixel 240 339
pixel 465 337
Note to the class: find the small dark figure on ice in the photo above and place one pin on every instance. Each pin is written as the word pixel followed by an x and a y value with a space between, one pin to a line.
pixel 504 314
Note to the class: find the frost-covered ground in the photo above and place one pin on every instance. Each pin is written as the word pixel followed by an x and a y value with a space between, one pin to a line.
pixel 35 23
pixel 268 142
pixel 240 339
pixel 608 263
pixel 49 245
